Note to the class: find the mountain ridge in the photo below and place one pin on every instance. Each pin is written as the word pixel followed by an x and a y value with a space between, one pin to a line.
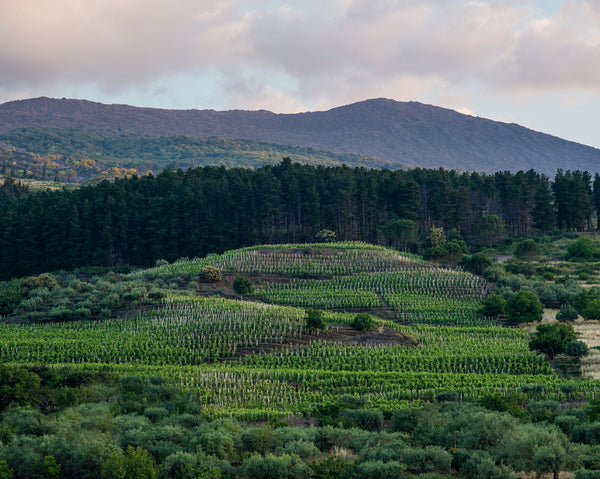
pixel 398 132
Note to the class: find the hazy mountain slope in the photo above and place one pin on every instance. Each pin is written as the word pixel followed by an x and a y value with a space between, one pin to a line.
pixel 407 133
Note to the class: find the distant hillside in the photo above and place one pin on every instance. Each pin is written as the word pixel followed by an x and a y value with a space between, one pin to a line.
pixel 78 155
pixel 396 132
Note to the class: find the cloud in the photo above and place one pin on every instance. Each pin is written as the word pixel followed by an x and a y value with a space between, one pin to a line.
pixel 300 55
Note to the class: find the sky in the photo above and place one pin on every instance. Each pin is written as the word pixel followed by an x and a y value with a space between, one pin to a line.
pixel 531 62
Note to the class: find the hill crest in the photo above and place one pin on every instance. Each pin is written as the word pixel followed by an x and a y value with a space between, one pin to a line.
pixel 396 132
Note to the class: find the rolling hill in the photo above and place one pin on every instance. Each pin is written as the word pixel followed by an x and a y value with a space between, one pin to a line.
pixel 395 132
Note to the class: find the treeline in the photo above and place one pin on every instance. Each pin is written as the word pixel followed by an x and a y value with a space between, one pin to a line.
pixel 175 214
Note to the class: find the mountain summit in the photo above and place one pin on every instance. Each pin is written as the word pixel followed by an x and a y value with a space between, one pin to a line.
pixel 398 132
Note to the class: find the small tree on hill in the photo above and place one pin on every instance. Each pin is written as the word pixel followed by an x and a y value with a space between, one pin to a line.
pixel 325 236
pixel 242 286
pixel 493 306
pixel 212 273
pixel 477 263
pixel 528 250
pixel 576 349
pixel 524 307
pixel 314 319
pixel 363 322
pixel 552 339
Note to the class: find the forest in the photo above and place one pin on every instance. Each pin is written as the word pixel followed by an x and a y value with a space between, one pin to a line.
pixel 191 213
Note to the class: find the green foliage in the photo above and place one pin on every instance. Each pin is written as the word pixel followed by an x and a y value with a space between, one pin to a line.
pixel 493 306
pixel 582 249
pixel 567 313
pixel 576 349
pixel 363 322
pixel 523 307
pixel 5 471
pixel 528 250
pixel 333 467
pixel 369 420
pixel 10 296
pixel 591 309
pixel 44 280
pixel 314 319
pixel 136 463
pixel 477 263
pixel 51 468
pixel 325 236
pixel 212 273
pixel 552 339
pixel 284 466
pixel 490 229
pixel 242 286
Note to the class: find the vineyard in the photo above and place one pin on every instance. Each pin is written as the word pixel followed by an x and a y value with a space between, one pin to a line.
pixel 255 359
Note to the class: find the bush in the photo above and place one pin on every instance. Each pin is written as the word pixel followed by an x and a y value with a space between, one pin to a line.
pixel 523 307
pixel 582 249
pixel 10 296
pixel 242 286
pixel 477 263
pixel 576 349
pixel 212 273
pixel 585 474
pixel 432 458
pixel 381 470
pixel 314 319
pixel 363 322
pixel 368 420
pixel 45 280
pixel 493 306
pixel 325 236
pixel 528 250
pixel 567 313
pixel 284 467
pixel 551 339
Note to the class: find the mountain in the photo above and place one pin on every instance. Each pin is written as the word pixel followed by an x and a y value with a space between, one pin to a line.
pixel 396 132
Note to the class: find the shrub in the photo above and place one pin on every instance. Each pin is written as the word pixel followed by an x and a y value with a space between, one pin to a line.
pixel 477 263
pixel 363 322
pixel 10 296
pixel 567 313
pixel 242 286
pixel 582 249
pixel 325 236
pixel 380 470
pixel 284 467
pixel 212 273
pixel 576 349
pixel 523 307
pixel 528 250
pixel 586 474
pixel 45 280
pixel 368 420
pixel 314 319
pixel 493 306
pixel 551 339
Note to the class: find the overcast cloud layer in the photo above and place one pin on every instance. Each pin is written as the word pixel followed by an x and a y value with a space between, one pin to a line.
pixel 533 62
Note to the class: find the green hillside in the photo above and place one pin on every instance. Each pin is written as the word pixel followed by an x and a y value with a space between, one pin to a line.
pixel 150 358
pixel 78 155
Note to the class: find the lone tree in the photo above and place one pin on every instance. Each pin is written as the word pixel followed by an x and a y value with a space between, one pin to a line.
pixel 325 236
pixel 314 319
pixel 576 349
pixel 523 307
pixel 552 339
pixel 363 322
pixel 528 250
pixel 242 286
